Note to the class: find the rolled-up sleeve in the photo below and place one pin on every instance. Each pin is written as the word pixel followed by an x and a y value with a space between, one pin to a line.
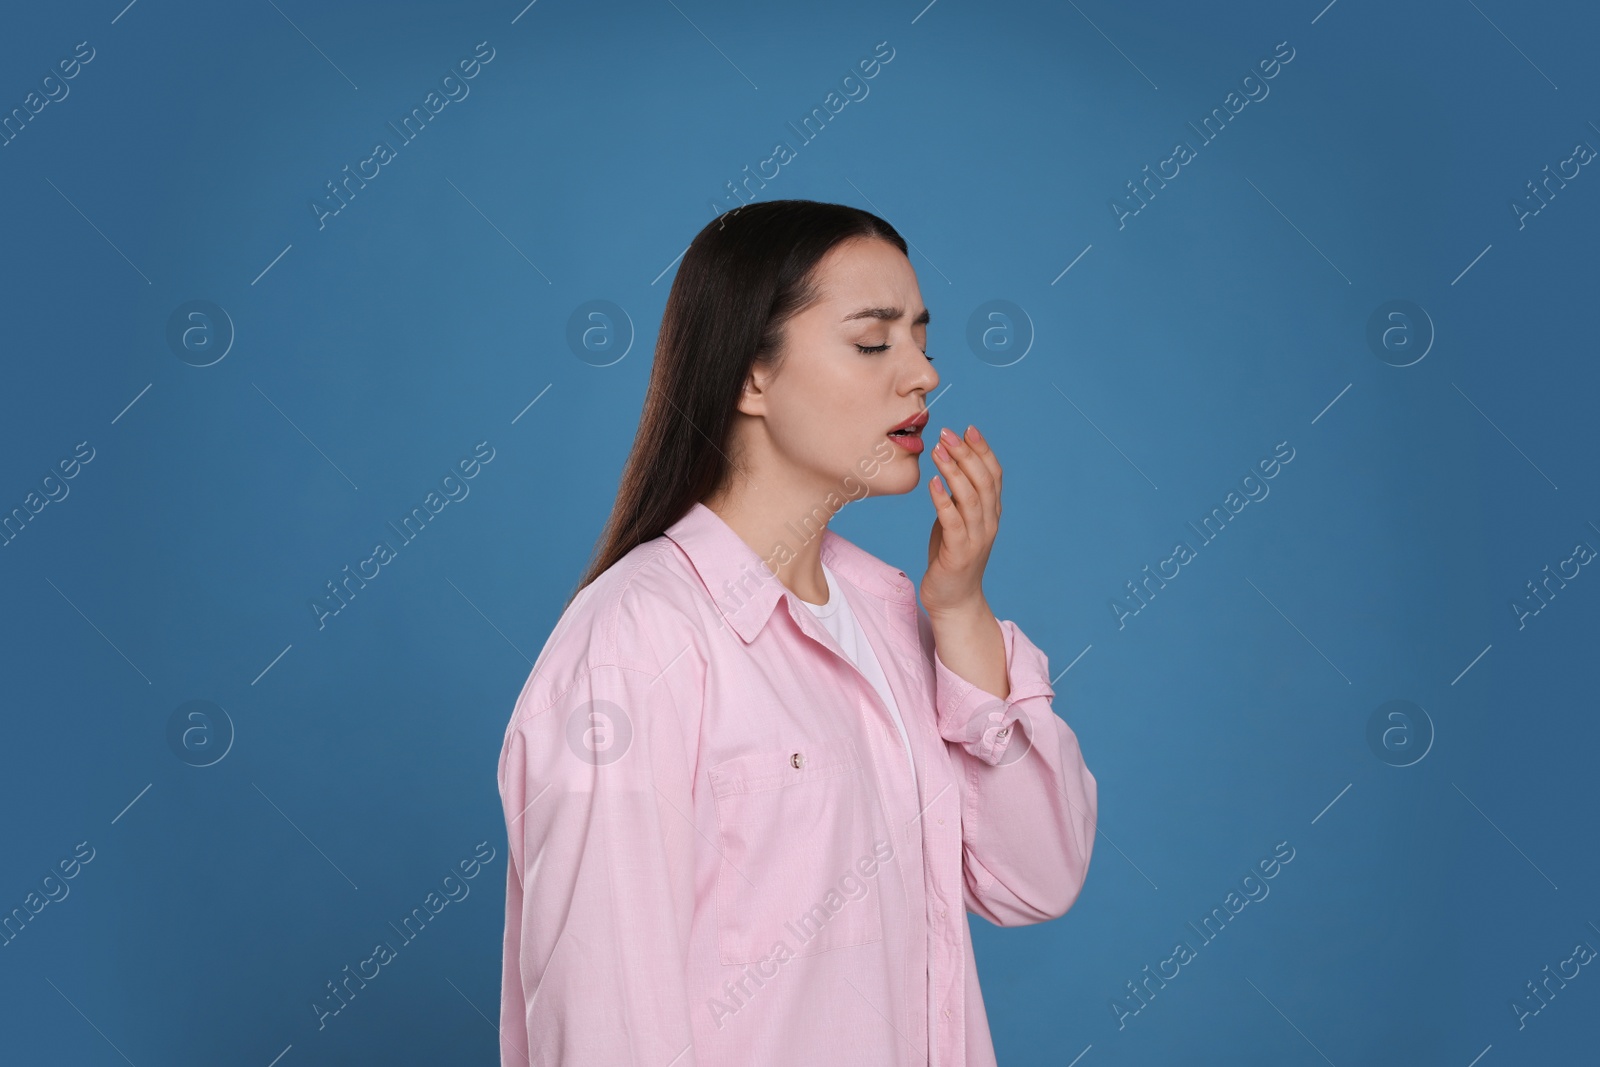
pixel 1029 803
pixel 596 786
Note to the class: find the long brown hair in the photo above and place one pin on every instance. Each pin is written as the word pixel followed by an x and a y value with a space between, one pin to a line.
pixel 743 277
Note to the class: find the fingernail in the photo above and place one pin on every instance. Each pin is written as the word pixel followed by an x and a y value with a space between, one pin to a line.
pixel 946 435
pixel 976 436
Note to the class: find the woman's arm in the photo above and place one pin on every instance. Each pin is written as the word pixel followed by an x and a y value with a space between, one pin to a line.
pixel 1028 801
pixel 595 783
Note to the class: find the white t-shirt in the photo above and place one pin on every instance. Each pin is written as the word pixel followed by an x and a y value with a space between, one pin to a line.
pixel 840 621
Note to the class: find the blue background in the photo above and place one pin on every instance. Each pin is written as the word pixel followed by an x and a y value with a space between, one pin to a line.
pixel 371 354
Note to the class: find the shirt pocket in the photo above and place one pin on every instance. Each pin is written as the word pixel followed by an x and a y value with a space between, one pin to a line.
pixel 795 833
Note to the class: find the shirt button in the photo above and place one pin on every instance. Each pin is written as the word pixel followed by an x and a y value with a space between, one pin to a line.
pixel 947 1013
pixel 943 912
pixel 796 761
pixel 1004 732
pixel 941 822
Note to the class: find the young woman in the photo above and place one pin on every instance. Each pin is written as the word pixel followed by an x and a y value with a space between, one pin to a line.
pixel 751 789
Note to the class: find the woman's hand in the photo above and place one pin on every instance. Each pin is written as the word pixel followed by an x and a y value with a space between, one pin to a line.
pixel 968 517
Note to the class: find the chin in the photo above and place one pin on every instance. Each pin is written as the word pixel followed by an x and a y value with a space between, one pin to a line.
pixel 883 469
pixel 897 477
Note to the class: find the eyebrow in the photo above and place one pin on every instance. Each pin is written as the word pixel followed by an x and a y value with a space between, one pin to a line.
pixel 889 314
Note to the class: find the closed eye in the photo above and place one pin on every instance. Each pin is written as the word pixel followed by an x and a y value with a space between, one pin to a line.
pixel 874 349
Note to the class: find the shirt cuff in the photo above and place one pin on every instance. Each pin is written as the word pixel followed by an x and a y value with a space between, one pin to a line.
pixel 979 720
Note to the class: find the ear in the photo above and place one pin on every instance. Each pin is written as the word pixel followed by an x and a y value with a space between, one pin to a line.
pixel 752 395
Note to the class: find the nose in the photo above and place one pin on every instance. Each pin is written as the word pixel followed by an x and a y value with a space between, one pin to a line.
pixel 924 377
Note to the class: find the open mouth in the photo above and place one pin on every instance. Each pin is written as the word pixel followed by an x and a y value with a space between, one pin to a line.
pixel 911 426
pixel 908 435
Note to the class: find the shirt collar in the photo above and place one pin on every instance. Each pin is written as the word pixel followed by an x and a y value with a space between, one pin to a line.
pixel 746 590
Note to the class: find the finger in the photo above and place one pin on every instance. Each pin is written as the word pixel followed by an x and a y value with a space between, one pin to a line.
pixel 981 446
pixel 981 459
pixel 978 475
pixel 947 512
pixel 961 488
pixel 980 449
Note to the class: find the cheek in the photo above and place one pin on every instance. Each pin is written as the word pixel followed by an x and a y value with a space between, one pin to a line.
pixel 858 420
pixel 839 435
pixel 816 432
pixel 837 420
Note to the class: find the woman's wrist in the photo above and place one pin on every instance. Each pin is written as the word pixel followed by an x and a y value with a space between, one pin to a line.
pixel 969 641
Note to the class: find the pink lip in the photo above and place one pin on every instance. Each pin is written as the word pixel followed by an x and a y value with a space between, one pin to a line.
pixel 911 442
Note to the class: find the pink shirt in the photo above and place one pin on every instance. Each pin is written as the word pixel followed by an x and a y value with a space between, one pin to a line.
pixel 719 854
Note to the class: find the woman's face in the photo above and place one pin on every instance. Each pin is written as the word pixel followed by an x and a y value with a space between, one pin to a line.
pixel 825 416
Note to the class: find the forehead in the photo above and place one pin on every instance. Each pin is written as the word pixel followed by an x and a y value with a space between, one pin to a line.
pixel 867 279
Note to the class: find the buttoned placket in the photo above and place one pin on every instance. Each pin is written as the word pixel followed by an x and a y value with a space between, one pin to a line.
pixel 904 774
pixel 947 955
pixel 938 1022
pixel 945 948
